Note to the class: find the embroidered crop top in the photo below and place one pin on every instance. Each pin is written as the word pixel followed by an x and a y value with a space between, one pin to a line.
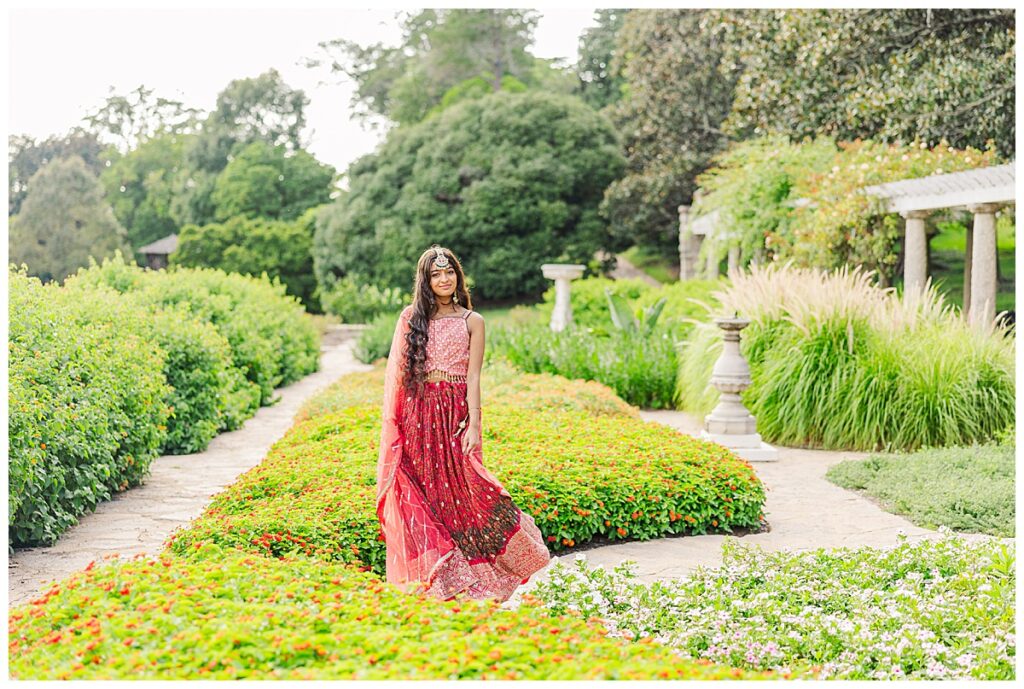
pixel 448 344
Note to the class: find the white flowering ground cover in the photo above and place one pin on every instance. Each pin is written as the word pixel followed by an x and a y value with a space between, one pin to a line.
pixel 926 610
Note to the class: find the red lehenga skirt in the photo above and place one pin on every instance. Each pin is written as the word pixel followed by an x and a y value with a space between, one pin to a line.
pixel 494 546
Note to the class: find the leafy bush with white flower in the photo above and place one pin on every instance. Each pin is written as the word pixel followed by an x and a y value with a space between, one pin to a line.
pixel 940 609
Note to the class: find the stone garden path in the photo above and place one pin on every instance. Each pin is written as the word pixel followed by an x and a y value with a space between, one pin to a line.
pixel 803 510
pixel 178 488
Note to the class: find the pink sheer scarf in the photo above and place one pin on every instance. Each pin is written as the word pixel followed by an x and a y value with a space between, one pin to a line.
pixel 415 545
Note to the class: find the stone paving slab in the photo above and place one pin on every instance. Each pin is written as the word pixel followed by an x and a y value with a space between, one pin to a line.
pixel 804 512
pixel 178 488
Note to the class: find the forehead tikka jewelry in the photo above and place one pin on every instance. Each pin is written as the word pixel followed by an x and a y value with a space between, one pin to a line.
pixel 440 260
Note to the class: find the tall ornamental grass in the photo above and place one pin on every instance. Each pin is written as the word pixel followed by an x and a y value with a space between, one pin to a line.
pixel 641 369
pixel 839 363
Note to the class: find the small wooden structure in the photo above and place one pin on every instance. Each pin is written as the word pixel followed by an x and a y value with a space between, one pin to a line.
pixel 156 253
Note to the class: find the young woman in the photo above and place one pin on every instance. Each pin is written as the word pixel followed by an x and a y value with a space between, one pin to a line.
pixel 449 525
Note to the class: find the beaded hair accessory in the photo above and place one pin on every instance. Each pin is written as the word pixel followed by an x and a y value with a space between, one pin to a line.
pixel 440 260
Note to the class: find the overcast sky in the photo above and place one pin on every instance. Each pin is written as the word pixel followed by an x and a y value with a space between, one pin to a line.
pixel 64 61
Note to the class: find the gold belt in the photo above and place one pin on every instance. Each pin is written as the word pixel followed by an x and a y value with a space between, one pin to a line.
pixel 438 375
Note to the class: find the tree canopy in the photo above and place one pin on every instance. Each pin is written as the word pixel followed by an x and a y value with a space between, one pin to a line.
pixel 64 220
pixel 507 181
pixel 894 75
pixel 441 50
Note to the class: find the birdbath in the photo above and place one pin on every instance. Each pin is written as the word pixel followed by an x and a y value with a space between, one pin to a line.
pixel 562 274
pixel 730 423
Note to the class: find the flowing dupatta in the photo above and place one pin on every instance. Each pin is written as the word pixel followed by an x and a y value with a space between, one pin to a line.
pixel 415 545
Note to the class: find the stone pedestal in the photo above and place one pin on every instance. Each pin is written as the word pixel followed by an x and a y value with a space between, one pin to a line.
pixel 730 424
pixel 562 274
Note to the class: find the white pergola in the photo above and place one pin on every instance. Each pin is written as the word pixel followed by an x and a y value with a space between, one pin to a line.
pixel 982 191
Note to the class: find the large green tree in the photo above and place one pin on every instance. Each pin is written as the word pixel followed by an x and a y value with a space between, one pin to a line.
pixel 884 74
pixel 600 76
pixel 64 220
pixel 141 186
pixel 264 181
pixel 678 95
pixel 507 181
pixel 263 109
pixel 440 50
pixel 25 156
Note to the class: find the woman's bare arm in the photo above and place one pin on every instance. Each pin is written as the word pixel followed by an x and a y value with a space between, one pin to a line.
pixel 475 323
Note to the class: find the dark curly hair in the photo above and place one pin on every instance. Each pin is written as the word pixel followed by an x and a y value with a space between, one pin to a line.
pixel 424 306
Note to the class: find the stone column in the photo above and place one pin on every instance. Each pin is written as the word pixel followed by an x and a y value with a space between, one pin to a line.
pixel 983 265
pixel 689 247
pixel 915 254
pixel 562 274
pixel 734 259
pixel 968 268
pixel 711 266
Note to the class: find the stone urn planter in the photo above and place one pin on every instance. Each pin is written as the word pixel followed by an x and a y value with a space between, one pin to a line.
pixel 730 423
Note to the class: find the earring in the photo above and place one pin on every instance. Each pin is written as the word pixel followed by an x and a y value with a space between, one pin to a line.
pixel 455 298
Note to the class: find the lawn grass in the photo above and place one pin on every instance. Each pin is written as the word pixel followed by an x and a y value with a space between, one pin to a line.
pixel 654 264
pixel 968 489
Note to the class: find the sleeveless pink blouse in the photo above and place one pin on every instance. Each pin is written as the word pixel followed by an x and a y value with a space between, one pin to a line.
pixel 448 344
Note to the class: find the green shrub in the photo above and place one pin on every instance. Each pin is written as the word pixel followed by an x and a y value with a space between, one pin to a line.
pixel 964 488
pixel 241 616
pixel 589 303
pixel 613 476
pixel 686 301
pixel 356 303
pixel 254 246
pixel 839 363
pixel 273 341
pixel 641 369
pixel 925 610
pixel 87 404
pixel 375 341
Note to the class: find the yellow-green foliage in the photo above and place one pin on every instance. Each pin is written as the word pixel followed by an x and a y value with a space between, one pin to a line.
pixel 238 616
pixel 274 580
pixel 500 384
pixel 578 474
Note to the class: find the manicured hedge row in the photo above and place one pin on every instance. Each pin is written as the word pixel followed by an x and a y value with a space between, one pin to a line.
pixel 578 474
pixel 273 341
pixel 121 365
pixel 238 616
pixel 87 400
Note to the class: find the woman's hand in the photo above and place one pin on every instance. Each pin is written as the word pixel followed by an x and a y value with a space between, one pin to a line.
pixel 471 438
